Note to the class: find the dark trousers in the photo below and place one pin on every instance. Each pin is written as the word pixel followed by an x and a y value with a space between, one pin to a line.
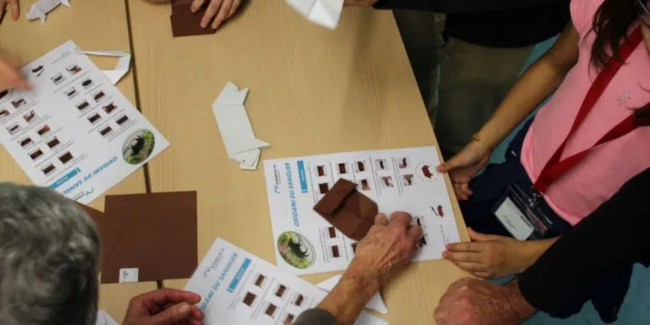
pixel 490 186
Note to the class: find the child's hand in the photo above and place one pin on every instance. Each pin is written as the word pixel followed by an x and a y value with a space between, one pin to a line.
pixel 15 8
pixel 490 256
pixel 10 76
pixel 224 9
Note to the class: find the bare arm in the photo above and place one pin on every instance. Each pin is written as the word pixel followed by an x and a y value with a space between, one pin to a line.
pixel 537 83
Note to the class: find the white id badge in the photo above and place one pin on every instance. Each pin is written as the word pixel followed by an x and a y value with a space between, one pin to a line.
pixel 517 213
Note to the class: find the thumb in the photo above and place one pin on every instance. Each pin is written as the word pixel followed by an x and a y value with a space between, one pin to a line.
pixel 172 315
pixel 477 236
pixel 455 161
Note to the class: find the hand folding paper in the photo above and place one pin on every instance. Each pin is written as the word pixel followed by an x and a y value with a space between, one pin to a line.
pixel 348 210
pixel 188 23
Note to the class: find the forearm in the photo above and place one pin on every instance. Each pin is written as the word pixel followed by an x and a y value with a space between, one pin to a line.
pixel 350 295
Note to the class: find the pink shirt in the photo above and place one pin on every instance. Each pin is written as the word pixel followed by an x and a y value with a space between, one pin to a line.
pixel 607 167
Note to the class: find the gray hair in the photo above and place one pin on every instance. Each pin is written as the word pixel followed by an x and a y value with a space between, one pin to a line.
pixel 48 259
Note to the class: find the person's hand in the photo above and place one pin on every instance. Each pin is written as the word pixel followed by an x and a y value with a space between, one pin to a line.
pixel 470 301
pixel 387 248
pixel 491 256
pixel 15 8
pixel 360 3
pixel 464 166
pixel 10 76
pixel 223 9
pixel 164 307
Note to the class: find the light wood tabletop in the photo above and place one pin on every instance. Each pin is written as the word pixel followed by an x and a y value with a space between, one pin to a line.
pixel 93 25
pixel 312 91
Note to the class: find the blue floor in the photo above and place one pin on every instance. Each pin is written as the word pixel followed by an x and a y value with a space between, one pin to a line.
pixel 636 308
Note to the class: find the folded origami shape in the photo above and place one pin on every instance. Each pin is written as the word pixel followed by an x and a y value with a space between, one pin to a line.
pixel 349 211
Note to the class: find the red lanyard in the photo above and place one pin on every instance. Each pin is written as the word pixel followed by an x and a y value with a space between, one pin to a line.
pixel 555 168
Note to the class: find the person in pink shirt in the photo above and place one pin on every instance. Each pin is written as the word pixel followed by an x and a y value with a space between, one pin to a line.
pixel 579 149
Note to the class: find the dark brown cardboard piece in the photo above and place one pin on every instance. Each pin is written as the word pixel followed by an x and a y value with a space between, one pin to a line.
pixel 349 211
pixel 185 22
pixel 157 235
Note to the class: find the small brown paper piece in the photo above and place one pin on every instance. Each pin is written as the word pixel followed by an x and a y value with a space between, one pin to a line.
pixel 349 211
pixel 185 22
pixel 157 234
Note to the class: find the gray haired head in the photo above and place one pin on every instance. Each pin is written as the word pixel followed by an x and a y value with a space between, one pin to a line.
pixel 48 259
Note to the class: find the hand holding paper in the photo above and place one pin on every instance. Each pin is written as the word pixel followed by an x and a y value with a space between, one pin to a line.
pixel 177 308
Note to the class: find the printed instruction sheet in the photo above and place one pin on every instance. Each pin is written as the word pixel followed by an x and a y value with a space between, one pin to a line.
pixel 74 132
pixel 398 180
pixel 237 287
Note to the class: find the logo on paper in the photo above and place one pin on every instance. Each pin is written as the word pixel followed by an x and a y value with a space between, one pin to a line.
pixel 296 250
pixel 138 147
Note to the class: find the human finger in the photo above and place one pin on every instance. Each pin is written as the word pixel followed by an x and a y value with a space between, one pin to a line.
pixel 465 247
pixel 477 236
pixel 381 219
pixel 12 77
pixel 173 315
pixel 482 275
pixel 465 188
pixel 462 256
pixel 196 5
pixel 469 266
pixel 162 297
pixel 15 9
pixel 226 5
pixel 234 8
pixel 460 194
pixel 213 7
pixel 401 219
pixel 415 232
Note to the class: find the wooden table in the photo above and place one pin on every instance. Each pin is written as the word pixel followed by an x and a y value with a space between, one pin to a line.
pixel 93 25
pixel 313 91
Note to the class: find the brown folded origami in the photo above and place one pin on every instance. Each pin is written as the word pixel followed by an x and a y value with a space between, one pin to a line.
pixel 349 211
pixel 156 234
pixel 185 22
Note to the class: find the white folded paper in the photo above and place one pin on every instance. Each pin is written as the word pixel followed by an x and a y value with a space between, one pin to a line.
pixel 235 127
pixel 40 9
pixel 103 318
pixel 326 13
pixel 376 302
pixel 121 68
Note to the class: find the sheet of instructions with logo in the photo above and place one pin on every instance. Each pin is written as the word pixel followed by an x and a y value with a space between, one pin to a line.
pixel 237 287
pixel 74 132
pixel 398 180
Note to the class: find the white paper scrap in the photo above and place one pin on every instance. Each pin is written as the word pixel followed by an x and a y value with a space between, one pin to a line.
pixel 376 302
pixel 121 68
pixel 129 275
pixel 103 318
pixel 40 9
pixel 326 13
pixel 235 127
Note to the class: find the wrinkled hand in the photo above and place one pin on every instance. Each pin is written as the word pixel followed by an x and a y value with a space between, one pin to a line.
pixel 470 301
pixel 464 166
pixel 491 256
pixel 15 8
pixel 387 248
pixel 164 307
pixel 10 76
pixel 223 9
pixel 360 3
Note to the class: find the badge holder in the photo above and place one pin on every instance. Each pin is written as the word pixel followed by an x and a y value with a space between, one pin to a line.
pixel 519 213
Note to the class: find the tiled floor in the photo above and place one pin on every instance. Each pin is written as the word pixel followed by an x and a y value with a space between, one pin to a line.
pixel 636 308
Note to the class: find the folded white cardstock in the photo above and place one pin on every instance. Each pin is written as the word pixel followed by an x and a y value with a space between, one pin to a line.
pixel 376 302
pixel 40 9
pixel 121 68
pixel 235 127
pixel 103 318
pixel 326 13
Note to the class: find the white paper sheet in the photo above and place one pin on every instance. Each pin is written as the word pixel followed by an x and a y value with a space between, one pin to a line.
pixel 121 68
pixel 398 180
pixel 235 127
pixel 75 132
pixel 40 9
pixel 103 318
pixel 326 13
pixel 237 287
pixel 376 302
